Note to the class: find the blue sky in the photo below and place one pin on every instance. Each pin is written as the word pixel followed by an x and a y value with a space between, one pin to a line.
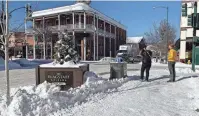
pixel 138 17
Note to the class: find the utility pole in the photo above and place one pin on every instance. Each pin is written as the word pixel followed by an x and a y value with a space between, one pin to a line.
pixel 167 33
pixel 194 36
pixel 6 54
pixel 26 41
pixel 167 36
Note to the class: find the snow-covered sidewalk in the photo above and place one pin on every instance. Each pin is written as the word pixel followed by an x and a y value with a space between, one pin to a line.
pixel 122 97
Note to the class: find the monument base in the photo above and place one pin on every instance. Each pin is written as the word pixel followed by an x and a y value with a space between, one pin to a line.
pixel 65 77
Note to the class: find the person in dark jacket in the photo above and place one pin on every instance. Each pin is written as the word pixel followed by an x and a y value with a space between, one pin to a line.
pixel 146 63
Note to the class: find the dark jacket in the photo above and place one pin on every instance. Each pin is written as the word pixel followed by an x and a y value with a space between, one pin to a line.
pixel 146 57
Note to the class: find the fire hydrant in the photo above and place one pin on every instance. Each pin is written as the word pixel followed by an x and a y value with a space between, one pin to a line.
pixel 189 62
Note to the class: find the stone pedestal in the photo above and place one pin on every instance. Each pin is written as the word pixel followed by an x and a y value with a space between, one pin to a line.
pixel 66 77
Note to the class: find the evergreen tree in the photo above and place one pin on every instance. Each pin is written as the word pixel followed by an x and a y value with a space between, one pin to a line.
pixel 65 49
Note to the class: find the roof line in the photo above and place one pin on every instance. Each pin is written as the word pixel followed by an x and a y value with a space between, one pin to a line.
pixel 92 10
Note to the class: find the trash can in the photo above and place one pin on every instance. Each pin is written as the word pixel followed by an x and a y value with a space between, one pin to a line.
pixel 118 70
pixel 118 59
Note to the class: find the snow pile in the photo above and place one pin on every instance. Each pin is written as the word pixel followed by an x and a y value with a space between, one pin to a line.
pixel 70 64
pixel 40 61
pixel 90 77
pixel 47 98
pixel 2 61
pixel 25 63
pixel 11 64
pixel 107 59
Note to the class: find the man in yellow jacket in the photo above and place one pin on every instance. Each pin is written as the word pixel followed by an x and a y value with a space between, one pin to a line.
pixel 172 54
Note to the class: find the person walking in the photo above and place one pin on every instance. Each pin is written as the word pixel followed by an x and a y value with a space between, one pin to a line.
pixel 171 62
pixel 146 63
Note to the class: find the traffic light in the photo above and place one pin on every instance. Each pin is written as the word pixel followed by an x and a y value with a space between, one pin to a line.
pixel 184 9
pixel 28 10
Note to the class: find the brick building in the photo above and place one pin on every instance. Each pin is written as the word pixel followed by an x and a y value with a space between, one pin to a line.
pixel 18 42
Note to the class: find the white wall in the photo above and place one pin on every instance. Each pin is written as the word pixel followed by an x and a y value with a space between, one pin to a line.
pixel 183 45
pixel 188 32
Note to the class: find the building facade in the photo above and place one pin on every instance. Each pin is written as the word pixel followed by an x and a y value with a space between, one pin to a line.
pixel 105 34
pixel 18 43
pixel 186 31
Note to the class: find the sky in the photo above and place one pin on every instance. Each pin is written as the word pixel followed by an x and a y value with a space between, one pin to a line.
pixel 138 17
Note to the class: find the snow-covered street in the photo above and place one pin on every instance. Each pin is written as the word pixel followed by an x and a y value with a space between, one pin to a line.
pixel 102 97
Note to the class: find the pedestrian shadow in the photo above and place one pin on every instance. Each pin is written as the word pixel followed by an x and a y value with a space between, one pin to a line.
pixel 130 78
pixel 159 78
pixel 194 76
pixel 137 86
pixel 134 77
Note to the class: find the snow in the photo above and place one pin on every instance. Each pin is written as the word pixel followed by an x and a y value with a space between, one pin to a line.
pixel 178 64
pixel 41 61
pixel 25 63
pixel 134 39
pixel 126 97
pixel 106 60
pixel 90 77
pixel 66 64
pixel 47 98
pixel 102 97
pixel 11 64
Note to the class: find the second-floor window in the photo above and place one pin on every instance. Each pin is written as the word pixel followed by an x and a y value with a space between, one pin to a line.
pixel 56 22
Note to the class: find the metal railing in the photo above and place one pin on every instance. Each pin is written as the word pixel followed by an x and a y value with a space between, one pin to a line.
pixel 80 26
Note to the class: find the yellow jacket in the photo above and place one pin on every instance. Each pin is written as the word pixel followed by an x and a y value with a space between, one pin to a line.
pixel 172 55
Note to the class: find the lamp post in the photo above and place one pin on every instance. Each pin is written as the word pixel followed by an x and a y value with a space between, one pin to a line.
pixel 167 13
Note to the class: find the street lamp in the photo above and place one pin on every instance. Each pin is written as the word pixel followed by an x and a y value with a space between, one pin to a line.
pixel 167 10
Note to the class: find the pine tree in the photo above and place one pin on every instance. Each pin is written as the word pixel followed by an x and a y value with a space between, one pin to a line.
pixel 65 49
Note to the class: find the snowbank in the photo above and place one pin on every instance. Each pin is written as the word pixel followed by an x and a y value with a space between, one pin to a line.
pixel 47 98
pixel 66 64
pixel 41 61
pixel 2 61
pixel 90 77
pixel 182 71
pixel 11 65
pixel 178 64
pixel 107 59
pixel 25 63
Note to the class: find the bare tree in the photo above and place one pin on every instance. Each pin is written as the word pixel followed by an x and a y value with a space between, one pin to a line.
pixel 46 38
pixel 158 35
